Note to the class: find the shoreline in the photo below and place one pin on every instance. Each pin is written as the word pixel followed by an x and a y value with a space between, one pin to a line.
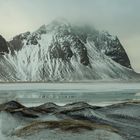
pixel 78 81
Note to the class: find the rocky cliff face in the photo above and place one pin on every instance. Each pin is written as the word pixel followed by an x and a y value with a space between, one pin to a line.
pixel 67 37
pixel 3 45
pixel 62 51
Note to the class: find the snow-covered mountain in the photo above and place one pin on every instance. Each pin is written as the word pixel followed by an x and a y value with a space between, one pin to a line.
pixel 63 51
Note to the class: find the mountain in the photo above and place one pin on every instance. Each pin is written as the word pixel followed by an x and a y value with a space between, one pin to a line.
pixel 7 71
pixel 61 51
pixel 3 46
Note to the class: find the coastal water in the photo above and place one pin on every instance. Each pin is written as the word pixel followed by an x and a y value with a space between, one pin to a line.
pixel 100 93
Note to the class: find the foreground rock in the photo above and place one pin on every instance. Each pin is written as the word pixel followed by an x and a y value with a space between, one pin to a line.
pixel 74 126
pixel 121 120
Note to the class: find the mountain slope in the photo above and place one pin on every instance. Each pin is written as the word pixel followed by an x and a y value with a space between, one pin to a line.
pixel 3 46
pixel 62 51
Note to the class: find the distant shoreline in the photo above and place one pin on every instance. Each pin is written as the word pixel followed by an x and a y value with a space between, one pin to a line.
pixel 82 81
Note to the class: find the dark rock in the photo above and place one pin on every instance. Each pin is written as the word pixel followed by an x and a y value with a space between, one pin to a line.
pixel 10 106
pixel 74 126
pixel 16 43
pixel 25 112
pixel 112 47
pixel 4 46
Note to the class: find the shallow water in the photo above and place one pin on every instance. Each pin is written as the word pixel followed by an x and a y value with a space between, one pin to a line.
pixel 100 93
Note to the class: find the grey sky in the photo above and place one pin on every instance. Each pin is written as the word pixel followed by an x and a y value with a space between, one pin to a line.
pixel 119 17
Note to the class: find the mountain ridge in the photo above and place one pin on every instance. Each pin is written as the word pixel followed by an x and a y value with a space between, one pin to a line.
pixel 63 51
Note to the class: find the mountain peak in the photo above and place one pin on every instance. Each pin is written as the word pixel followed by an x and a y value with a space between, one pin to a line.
pixel 63 51
pixel 54 25
pixel 60 21
pixel 42 29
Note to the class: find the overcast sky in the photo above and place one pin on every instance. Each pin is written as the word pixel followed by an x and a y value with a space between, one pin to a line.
pixel 118 17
